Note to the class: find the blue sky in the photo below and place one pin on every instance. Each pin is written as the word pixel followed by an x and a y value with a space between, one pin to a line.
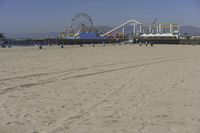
pixel 42 16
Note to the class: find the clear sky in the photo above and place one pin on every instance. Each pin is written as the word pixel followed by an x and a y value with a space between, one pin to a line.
pixel 42 16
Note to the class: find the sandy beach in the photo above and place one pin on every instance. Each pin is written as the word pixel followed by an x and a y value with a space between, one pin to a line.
pixel 112 89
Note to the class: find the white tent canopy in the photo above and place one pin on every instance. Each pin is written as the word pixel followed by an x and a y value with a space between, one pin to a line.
pixel 159 35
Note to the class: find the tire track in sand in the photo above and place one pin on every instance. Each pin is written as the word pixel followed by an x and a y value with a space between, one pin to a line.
pixel 78 69
pixel 79 117
pixel 4 91
pixel 127 67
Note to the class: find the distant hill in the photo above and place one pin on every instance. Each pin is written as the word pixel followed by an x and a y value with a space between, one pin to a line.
pixel 33 35
pixel 189 30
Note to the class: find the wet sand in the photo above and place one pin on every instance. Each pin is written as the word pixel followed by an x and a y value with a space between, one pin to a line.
pixel 113 89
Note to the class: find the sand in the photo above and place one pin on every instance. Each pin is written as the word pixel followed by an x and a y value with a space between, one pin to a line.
pixel 112 89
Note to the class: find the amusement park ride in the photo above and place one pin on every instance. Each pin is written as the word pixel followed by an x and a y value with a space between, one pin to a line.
pixel 82 24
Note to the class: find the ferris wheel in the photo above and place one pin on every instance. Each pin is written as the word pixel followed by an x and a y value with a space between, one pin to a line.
pixel 80 21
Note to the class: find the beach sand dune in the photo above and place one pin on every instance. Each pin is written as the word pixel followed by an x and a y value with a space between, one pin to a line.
pixel 113 89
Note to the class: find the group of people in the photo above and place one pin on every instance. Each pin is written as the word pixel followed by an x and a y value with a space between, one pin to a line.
pixel 40 46
pixel 146 43
pixel 2 44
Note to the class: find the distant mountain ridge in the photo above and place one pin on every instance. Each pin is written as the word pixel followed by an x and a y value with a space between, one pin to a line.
pixel 189 30
pixel 32 35
pixel 184 30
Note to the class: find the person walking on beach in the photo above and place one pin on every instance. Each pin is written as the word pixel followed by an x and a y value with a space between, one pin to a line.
pixel 151 44
pixel 117 41
pixel 104 44
pixel 2 44
pixel 62 46
pixel 40 46
pixel 146 43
